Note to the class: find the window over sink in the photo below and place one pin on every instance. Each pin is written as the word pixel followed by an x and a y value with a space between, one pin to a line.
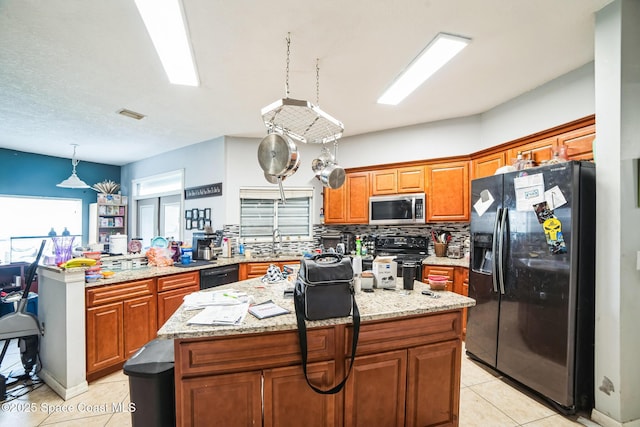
pixel 262 212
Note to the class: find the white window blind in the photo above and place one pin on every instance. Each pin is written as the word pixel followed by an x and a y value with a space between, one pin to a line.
pixel 261 212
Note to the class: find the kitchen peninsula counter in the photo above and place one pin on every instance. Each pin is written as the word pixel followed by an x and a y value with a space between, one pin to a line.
pixel 379 305
pixel 148 272
pixel 407 363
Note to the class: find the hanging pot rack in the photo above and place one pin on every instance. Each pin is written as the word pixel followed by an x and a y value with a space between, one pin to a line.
pixel 300 119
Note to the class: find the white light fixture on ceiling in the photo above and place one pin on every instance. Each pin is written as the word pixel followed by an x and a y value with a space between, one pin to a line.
pixel 166 26
pixel 437 53
pixel 73 181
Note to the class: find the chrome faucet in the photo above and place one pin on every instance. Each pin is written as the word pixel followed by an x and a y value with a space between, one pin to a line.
pixel 276 235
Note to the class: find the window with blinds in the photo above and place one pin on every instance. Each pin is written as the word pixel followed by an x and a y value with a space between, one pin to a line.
pixel 262 211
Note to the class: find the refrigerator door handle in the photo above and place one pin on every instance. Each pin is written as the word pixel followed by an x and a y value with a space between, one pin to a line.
pixel 503 221
pixel 494 252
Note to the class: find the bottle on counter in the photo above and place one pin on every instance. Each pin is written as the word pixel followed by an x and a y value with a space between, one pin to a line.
pixel 518 162
pixel 226 247
pixel 358 246
pixel 52 232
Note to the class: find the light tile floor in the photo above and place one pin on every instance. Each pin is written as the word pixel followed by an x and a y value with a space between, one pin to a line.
pixel 485 400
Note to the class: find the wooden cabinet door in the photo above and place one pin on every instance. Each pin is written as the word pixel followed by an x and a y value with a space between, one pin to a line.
pixel 286 388
pixel 537 151
pixel 232 400
pixel 578 143
pixel 335 205
pixel 384 182
pixel 438 270
pixel 448 192
pixel 169 301
pixel 411 179
pixel 105 343
pixel 487 165
pixel 375 392
pixel 178 281
pixel 357 187
pixel 256 269
pixel 140 323
pixel 433 389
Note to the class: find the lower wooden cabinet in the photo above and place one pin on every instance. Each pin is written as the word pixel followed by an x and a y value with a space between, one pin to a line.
pixel 433 375
pixel 119 320
pixel 376 390
pixel 406 372
pixel 289 401
pixel 458 283
pixel 105 338
pixel 138 323
pixel 250 270
pixel 223 400
pixel 123 317
pixel 171 292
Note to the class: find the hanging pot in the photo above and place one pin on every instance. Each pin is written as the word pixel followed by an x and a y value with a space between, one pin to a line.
pixel 277 155
pixel 332 176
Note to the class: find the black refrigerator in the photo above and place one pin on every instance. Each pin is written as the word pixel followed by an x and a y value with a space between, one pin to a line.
pixel 532 268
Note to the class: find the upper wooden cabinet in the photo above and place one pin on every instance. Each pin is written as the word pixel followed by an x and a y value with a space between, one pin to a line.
pixel 448 191
pixel 408 179
pixel 578 143
pixel 348 204
pixel 411 179
pixel 384 182
pixel 335 206
pixel 487 165
pixel 537 151
pixel 357 197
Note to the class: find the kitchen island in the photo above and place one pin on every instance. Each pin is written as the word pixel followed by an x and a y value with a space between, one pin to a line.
pixel 406 371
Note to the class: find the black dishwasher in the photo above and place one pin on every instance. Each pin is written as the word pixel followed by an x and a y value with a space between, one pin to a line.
pixel 217 276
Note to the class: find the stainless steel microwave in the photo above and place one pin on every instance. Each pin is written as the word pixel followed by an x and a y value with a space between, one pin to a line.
pixel 397 209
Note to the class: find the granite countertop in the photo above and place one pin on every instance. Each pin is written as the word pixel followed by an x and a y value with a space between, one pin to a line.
pixel 381 304
pixel 152 271
pixel 453 262
pixel 196 265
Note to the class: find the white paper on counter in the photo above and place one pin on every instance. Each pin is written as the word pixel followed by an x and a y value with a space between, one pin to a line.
pixel 202 299
pixel 554 198
pixel 220 315
pixel 529 191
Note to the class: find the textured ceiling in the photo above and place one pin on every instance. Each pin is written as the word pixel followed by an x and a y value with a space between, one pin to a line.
pixel 67 67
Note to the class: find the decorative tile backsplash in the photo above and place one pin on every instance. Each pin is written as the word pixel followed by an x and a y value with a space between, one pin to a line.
pixel 459 233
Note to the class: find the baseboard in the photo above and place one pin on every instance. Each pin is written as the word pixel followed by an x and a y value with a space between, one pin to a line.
pixel 62 391
pixel 606 421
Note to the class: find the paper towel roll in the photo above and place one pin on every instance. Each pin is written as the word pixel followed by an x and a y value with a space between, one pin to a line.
pixel 357 265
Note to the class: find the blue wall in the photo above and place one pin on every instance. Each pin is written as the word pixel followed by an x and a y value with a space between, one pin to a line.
pixel 27 174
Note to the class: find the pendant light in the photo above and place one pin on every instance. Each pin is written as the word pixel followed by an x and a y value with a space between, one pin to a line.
pixel 73 181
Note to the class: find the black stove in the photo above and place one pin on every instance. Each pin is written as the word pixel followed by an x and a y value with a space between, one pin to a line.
pixel 405 249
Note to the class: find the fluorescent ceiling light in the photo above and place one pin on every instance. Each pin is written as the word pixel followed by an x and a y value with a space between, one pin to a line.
pixel 166 26
pixel 437 53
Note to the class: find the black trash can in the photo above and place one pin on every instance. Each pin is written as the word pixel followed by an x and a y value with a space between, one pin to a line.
pixel 151 384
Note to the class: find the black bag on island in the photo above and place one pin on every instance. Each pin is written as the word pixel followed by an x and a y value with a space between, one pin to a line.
pixel 324 289
pixel 325 284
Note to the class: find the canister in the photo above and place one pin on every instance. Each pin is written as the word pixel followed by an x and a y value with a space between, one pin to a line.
pixel 118 244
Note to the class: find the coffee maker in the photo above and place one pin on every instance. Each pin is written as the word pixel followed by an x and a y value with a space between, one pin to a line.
pixel 201 241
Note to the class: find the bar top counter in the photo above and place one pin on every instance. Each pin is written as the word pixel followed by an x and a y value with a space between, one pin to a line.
pixel 378 305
